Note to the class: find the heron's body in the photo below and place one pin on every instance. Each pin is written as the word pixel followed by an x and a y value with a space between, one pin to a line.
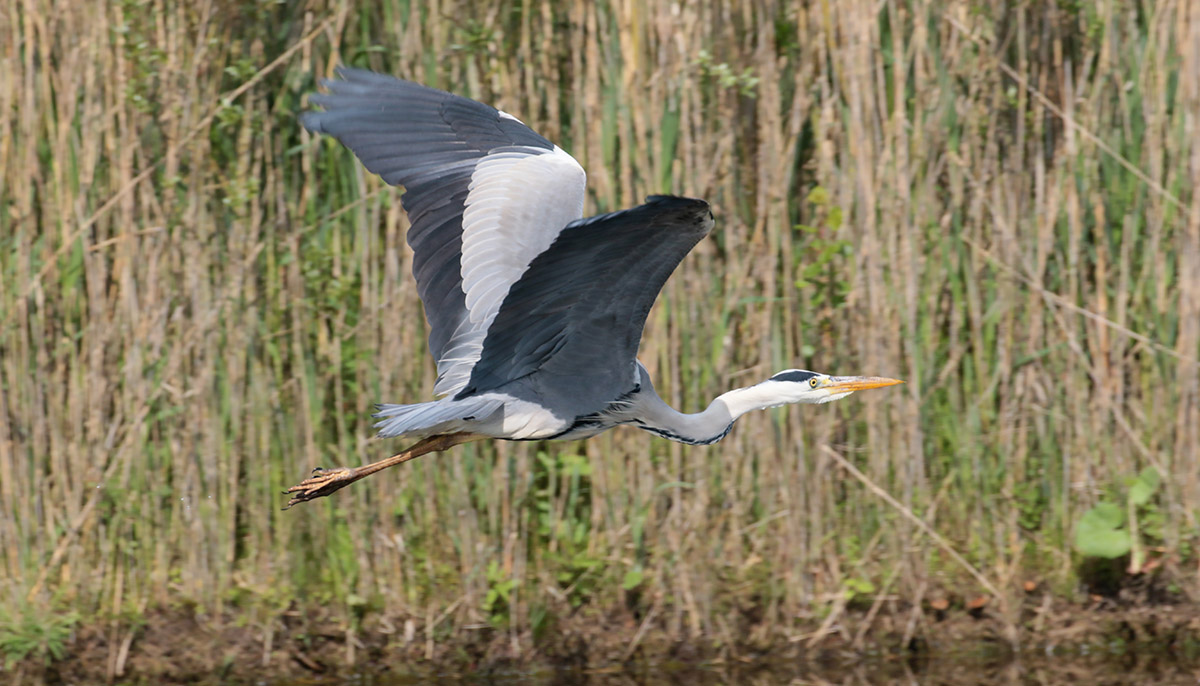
pixel 501 415
pixel 535 313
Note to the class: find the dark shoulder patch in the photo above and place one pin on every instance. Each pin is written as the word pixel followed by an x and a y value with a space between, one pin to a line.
pixel 796 375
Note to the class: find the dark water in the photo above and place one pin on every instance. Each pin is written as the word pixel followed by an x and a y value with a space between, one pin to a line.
pixel 1038 672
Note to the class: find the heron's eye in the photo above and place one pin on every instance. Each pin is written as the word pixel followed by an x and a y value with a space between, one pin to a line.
pixel 813 382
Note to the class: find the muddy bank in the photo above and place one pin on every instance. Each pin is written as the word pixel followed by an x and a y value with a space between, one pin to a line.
pixel 179 646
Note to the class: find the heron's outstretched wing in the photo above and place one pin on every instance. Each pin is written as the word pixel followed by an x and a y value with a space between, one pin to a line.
pixel 484 193
pixel 568 332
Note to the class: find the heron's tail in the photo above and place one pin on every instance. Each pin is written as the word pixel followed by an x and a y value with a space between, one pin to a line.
pixel 429 419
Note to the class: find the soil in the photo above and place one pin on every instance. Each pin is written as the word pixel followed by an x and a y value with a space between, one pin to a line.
pixel 1101 637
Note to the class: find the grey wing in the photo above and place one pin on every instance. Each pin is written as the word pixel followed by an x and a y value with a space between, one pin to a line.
pixel 568 332
pixel 484 195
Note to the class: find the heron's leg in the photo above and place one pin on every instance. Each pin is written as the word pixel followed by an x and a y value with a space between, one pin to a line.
pixel 325 481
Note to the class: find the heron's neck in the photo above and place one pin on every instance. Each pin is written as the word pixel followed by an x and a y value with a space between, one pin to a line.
pixel 708 426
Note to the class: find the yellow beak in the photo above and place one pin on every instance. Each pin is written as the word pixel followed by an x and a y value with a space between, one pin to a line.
pixel 845 384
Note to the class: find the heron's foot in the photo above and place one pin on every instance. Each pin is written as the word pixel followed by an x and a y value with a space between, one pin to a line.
pixel 323 482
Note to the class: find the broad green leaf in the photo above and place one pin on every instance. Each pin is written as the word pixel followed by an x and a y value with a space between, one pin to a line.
pixel 1099 532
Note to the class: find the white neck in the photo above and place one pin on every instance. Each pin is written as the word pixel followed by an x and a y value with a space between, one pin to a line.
pixel 709 426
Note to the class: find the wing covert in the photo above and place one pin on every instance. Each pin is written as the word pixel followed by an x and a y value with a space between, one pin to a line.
pixel 570 327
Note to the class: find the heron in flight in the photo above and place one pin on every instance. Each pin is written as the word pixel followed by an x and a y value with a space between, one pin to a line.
pixel 535 313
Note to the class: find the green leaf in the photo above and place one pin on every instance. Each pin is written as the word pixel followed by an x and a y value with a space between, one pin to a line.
pixel 1144 486
pixel 1100 533
pixel 1106 515
pixel 633 579
pixel 835 218
pixel 818 196
pixel 1151 476
pixel 854 587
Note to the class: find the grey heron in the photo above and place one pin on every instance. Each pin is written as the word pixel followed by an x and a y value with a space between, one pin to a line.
pixel 535 313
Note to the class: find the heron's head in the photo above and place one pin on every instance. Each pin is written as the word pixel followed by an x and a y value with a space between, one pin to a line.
pixel 811 388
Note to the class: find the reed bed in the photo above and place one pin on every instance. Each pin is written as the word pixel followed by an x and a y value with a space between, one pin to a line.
pixel 199 303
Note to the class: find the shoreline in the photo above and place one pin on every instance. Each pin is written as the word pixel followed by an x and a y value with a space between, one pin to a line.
pixel 179 647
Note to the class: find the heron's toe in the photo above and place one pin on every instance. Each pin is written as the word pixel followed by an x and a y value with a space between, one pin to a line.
pixel 322 483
